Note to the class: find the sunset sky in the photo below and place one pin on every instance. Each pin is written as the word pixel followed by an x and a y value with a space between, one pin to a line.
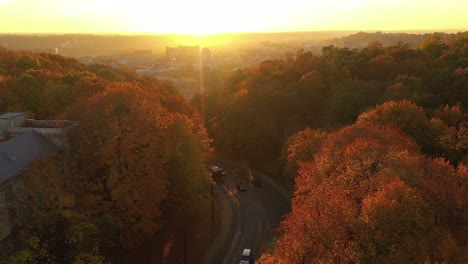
pixel 216 16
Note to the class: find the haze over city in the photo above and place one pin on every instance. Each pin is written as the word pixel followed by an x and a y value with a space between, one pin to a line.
pixel 210 16
pixel 221 132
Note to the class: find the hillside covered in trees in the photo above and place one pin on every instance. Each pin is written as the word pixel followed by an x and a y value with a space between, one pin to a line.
pixel 373 140
pixel 137 159
pixel 257 109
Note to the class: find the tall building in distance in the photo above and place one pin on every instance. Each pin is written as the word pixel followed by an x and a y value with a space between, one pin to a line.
pixel 188 54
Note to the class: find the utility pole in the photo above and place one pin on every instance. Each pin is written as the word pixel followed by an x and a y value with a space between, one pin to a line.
pixel 185 247
pixel 212 204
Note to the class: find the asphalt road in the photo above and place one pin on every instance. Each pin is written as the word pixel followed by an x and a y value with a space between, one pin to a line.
pixel 255 213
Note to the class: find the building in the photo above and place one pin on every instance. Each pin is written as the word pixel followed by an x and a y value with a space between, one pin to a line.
pixel 16 123
pixel 187 54
pixel 15 156
pixel 23 141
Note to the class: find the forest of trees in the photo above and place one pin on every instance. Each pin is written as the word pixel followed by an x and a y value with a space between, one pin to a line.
pixel 256 110
pixel 137 159
pixel 373 141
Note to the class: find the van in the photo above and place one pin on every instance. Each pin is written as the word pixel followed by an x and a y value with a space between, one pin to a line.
pixel 247 257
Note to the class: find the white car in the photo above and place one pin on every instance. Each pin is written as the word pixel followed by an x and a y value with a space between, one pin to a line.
pixel 217 169
pixel 247 257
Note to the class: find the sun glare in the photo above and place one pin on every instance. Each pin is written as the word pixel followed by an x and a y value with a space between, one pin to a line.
pixel 199 17
pixel 190 17
pixel 202 17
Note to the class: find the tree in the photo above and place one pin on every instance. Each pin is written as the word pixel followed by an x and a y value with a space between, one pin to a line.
pixel 452 138
pixel 301 147
pixel 370 196
pixel 136 160
pixel 404 115
pixel 391 219
pixel 50 228
pixel 433 46
pixel 318 227
pixel 311 95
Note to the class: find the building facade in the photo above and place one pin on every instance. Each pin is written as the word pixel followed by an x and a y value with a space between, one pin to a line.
pixel 24 141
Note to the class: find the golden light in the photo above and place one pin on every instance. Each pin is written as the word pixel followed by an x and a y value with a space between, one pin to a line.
pixel 201 17
pixel 192 17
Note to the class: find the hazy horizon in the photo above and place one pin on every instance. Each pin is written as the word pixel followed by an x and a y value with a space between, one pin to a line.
pixel 408 31
pixel 218 17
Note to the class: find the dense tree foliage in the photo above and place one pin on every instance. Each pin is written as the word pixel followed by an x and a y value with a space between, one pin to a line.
pixel 375 140
pixel 49 228
pixel 386 180
pixel 137 158
pixel 370 196
pixel 256 110
pixel 405 115
pixel 43 85
pixel 299 148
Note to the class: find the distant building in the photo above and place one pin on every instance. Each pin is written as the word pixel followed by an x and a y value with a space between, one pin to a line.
pixel 187 87
pixel 142 52
pixel 183 53
pixel 206 54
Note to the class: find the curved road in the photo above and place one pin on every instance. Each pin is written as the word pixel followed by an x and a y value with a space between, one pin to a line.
pixel 250 217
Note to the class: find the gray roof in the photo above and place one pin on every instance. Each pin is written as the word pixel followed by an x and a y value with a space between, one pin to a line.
pixel 10 115
pixel 17 153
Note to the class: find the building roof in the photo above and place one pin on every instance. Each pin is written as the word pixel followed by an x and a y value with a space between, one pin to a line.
pixel 17 153
pixel 10 115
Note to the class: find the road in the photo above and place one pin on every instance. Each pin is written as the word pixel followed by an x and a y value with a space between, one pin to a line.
pixel 250 218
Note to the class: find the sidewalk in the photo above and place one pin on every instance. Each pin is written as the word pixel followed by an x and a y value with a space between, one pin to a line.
pixel 227 227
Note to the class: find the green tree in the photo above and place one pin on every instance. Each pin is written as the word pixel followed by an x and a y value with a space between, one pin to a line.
pixel 433 46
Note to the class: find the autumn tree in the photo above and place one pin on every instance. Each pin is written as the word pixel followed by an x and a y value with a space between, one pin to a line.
pixel 433 46
pixel 149 160
pixel 317 229
pixel 299 148
pixel 49 228
pixel 369 196
pixel 404 115
pixel 453 125
pixel 392 223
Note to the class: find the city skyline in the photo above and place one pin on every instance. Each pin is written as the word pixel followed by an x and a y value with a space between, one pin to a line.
pixel 209 16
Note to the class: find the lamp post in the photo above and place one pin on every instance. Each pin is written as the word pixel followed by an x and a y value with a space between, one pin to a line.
pixel 212 203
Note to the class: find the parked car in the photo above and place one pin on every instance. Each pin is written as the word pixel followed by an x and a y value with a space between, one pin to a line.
pixel 247 257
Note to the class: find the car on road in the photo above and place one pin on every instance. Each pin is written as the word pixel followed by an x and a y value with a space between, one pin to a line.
pixel 242 184
pixel 217 172
pixel 247 257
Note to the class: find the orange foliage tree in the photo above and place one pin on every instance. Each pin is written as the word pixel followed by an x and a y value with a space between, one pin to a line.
pixel 134 159
pixel 405 115
pixel 299 148
pixel 370 196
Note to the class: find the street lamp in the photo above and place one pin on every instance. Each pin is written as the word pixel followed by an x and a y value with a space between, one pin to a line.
pixel 212 203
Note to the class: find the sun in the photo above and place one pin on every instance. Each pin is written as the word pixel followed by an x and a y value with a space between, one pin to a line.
pixel 190 17
pixel 196 25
